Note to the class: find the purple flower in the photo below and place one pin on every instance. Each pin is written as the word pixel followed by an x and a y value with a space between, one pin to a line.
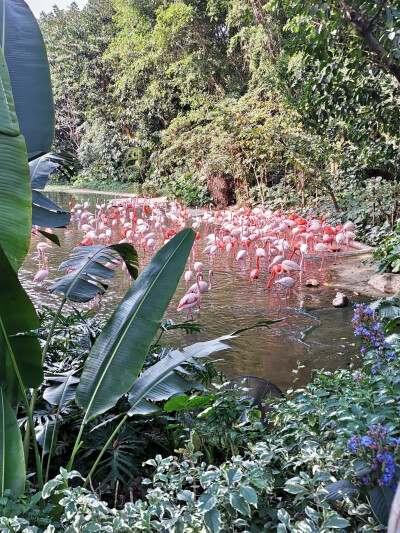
pixel 353 443
pixel 366 441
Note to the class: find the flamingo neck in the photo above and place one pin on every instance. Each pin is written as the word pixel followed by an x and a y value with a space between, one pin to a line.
pixel 271 278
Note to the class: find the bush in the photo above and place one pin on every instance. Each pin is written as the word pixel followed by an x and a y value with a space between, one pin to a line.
pixel 387 255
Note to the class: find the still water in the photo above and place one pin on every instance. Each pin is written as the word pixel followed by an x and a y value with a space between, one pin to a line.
pixel 319 336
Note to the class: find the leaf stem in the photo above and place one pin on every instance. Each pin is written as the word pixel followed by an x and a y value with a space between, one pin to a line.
pixel 34 392
pixel 103 451
pixel 28 410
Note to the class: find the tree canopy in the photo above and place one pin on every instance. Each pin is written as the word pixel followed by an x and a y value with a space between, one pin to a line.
pixel 246 93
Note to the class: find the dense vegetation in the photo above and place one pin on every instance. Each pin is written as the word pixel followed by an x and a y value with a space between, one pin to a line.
pixel 273 102
pixel 216 93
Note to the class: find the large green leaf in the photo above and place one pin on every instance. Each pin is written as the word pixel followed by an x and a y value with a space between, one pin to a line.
pixel 17 318
pixel 26 58
pixel 89 266
pixel 117 356
pixel 46 213
pixel 15 189
pixel 12 462
pixel 43 167
pixel 160 382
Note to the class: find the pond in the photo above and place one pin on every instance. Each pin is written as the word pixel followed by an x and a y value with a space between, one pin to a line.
pixel 317 335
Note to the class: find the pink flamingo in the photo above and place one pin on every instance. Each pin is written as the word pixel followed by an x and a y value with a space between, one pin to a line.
pixel 198 266
pixel 322 248
pixel 276 261
pixel 290 266
pixel 42 247
pixel 276 269
pixel 191 299
pixel 204 286
pixel 42 274
pixel 256 271
pixel 241 255
pixel 303 253
pixel 188 275
pixel 288 283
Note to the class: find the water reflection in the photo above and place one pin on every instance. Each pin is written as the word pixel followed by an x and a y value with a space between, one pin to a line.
pixel 319 336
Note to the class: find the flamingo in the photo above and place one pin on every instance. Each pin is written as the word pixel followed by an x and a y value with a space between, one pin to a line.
pixel 276 261
pixel 204 286
pixel 188 276
pixel 322 248
pixel 42 274
pixel 288 283
pixel 276 269
pixel 303 253
pixel 241 255
pixel 198 266
pixel 256 271
pixel 290 266
pixel 191 299
pixel 42 247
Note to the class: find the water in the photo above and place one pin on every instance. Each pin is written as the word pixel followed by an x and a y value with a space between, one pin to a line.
pixel 318 336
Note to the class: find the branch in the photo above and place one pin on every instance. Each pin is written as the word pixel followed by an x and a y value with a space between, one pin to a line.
pixel 371 22
pixel 363 28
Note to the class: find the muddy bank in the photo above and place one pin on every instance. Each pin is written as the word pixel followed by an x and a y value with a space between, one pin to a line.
pixel 354 274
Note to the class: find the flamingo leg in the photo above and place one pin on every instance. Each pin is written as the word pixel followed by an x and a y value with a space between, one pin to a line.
pixel 299 298
pixel 278 293
pixel 322 263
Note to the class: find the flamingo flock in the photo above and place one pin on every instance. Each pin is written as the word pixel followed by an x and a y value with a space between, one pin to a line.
pixel 279 244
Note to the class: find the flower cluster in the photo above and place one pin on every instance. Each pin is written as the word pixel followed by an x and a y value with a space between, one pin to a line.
pixel 373 340
pixel 379 450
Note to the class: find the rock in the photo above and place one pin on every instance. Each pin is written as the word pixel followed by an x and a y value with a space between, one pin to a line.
pixel 312 283
pixel 388 283
pixel 340 300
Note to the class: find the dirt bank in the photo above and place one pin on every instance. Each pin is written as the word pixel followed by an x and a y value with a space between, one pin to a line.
pixel 354 275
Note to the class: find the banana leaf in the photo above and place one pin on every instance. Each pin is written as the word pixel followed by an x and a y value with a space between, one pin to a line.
pixel 89 264
pixel 46 435
pixel 117 356
pixel 17 318
pixel 57 396
pixel 43 167
pixel 46 213
pixel 27 63
pixel 12 462
pixel 161 382
pixel 15 190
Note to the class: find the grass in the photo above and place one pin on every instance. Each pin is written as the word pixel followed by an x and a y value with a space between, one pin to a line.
pixel 146 189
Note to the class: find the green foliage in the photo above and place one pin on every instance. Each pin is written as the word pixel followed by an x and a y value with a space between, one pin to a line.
pixel 190 190
pixel 16 197
pixel 285 477
pixel 387 254
pixel 287 103
pixel 27 64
